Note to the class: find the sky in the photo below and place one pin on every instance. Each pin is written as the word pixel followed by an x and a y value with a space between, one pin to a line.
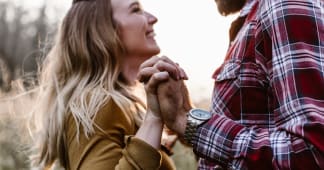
pixel 190 32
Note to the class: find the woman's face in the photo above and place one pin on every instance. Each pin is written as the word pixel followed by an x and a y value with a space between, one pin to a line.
pixel 135 27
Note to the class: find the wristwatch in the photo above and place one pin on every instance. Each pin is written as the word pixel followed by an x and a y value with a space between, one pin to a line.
pixel 195 117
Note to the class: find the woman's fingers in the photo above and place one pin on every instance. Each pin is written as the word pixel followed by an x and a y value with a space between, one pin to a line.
pixel 155 80
pixel 145 73
pixel 150 62
pixel 160 66
pixel 154 64
pixel 183 74
pixel 173 70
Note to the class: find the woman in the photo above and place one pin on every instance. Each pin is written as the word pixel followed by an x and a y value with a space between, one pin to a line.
pixel 91 109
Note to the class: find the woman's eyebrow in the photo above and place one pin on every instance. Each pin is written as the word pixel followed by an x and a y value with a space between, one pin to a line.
pixel 133 4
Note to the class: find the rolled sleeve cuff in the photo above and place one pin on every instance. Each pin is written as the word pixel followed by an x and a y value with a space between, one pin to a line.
pixel 214 139
pixel 141 154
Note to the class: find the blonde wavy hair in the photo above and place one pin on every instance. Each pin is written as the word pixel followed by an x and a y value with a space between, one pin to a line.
pixel 80 74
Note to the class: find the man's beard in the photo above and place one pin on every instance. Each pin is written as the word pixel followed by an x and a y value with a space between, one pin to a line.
pixel 226 7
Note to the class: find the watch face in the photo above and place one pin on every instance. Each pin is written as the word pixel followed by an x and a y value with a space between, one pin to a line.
pixel 200 114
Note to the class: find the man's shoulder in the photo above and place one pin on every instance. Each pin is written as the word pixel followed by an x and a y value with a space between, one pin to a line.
pixel 275 5
pixel 276 9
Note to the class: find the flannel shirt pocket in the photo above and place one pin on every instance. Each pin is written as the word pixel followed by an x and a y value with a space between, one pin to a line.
pixel 229 70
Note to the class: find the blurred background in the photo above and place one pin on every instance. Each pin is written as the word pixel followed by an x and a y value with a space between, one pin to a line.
pixel 191 32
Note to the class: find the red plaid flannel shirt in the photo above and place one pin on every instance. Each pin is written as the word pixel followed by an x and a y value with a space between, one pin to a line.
pixel 268 100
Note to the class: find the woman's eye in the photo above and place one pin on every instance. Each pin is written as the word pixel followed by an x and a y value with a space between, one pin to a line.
pixel 137 10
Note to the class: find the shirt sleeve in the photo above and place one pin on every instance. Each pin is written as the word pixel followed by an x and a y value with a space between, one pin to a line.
pixel 105 154
pixel 112 146
pixel 295 32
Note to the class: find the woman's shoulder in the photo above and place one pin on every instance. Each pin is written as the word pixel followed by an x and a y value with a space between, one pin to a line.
pixel 109 120
pixel 111 125
pixel 111 116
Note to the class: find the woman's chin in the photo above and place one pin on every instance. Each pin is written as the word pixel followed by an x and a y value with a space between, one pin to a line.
pixel 155 51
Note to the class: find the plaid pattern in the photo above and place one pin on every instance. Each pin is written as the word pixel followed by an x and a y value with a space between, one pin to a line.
pixel 268 99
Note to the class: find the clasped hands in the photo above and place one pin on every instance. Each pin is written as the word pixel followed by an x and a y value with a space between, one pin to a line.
pixel 167 95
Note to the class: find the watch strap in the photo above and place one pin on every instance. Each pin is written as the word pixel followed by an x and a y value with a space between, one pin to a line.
pixel 190 131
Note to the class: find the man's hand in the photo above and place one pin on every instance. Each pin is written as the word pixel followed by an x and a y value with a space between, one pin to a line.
pixel 174 103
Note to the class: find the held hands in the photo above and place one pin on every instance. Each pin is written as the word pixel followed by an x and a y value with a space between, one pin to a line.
pixel 174 103
pixel 153 72
pixel 164 81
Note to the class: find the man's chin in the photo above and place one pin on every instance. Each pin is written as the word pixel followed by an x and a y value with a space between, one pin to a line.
pixel 227 7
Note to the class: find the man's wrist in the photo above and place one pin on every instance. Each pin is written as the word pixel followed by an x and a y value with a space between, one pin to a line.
pixel 184 119
pixel 195 118
pixel 182 124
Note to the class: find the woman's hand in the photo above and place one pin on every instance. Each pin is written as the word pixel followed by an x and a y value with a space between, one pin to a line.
pixel 160 64
pixel 155 71
pixel 151 129
pixel 173 98
pixel 153 106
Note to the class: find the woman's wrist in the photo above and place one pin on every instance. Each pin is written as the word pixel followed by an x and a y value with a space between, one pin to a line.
pixel 150 116
pixel 151 130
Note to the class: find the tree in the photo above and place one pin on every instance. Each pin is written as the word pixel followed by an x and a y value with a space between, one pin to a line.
pixel 5 74
pixel 24 40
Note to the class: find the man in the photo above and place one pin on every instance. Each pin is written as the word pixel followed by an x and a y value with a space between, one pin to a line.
pixel 268 101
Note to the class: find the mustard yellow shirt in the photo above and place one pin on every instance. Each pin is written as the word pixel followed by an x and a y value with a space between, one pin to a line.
pixel 112 147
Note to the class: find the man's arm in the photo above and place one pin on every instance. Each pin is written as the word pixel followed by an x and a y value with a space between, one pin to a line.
pixel 296 31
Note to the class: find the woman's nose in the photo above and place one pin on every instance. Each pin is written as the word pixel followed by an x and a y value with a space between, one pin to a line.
pixel 151 18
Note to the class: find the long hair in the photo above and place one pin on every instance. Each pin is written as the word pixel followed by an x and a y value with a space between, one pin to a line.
pixel 80 74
